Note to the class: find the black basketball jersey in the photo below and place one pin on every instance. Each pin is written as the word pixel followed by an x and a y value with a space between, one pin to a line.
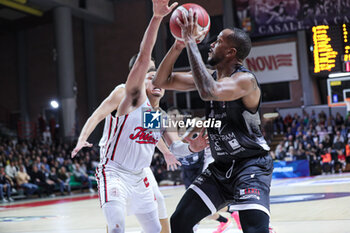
pixel 239 135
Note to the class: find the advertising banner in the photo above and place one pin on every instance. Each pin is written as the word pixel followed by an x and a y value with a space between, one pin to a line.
pixel 273 63
pixel 284 169
pixel 269 17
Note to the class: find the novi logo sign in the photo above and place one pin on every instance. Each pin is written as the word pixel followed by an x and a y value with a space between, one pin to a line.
pixel 271 62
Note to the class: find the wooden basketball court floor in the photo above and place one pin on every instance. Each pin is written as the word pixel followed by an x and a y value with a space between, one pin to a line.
pixel 299 205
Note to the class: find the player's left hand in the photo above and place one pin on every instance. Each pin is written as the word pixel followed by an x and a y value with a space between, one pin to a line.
pixel 79 146
pixel 189 28
pixel 171 161
pixel 161 8
pixel 200 142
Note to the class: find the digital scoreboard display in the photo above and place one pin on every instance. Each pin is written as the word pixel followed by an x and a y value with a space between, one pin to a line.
pixel 331 48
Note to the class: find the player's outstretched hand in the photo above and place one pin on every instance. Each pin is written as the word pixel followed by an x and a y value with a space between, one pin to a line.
pixel 79 146
pixel 161 8
pixel 171 161
pixel 200 142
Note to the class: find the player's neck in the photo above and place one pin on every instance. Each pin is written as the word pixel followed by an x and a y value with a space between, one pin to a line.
pixel 226 69
pixel 154 102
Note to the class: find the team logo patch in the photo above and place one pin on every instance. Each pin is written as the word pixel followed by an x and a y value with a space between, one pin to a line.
pixel 114 192
pixel 152 119
pixel 249 193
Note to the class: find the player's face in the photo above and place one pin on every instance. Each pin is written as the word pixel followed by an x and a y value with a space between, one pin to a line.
pixel 219 48
pixel 150 88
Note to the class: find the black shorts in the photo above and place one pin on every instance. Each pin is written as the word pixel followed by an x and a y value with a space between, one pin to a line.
pixel 247 186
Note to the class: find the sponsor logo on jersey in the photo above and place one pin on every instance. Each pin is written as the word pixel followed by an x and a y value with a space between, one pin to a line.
pixel 142 136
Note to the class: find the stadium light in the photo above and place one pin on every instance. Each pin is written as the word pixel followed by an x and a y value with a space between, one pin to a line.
pixel 337 75
pixel 54 104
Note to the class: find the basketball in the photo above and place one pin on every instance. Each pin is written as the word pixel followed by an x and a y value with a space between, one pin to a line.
pixel 203 24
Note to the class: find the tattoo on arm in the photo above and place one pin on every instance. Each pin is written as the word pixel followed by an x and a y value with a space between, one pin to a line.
pixel 203 80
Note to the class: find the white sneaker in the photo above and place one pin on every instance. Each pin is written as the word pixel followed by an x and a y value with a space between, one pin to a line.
pixel 10 199
pixel 52 195
pixel 91 191
pixel 3 200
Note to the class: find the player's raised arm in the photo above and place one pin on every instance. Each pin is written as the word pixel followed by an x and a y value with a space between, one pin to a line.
pixel 226 88
pixel 167 79
pixel 135 88
pixel 110 104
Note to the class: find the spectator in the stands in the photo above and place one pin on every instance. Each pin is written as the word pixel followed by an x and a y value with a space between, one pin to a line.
pixel 289 133
pixel 278 125
pixel 47 136
pixel 291 153
pixel 280 152
pixel 23 179
pixel 40 179
pixel 322 132
pixel 330 125
pixel 288 120
pixel 327 161
pixel 45 164
pixel 11 170
pixel 339 120
pixel 338 137
pixel 5 186
pixel 82 176
pixel 322 118
pixel 340 163
pixel 327 141
pixel 300 154
pixel 58 182
pixel 65 177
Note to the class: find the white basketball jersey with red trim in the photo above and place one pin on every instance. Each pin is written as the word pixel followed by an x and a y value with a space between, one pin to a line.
pixel 128 146
pixel 109 127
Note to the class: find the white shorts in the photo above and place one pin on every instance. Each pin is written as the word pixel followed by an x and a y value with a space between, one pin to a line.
pixel 162 212
pixel 131 190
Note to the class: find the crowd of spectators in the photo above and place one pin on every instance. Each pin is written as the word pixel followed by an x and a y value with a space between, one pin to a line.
pixel 323 141
pixel 42 167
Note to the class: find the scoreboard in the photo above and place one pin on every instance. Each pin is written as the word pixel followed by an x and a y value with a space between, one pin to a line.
pixel 331 48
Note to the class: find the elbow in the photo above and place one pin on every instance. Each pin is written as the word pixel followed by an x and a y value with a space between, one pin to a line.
pixel 156 82
pixel 206 95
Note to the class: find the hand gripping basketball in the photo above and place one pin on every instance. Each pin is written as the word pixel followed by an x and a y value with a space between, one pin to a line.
pixel 189 22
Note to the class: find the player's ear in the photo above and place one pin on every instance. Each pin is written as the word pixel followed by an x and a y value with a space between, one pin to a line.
pixel 231 52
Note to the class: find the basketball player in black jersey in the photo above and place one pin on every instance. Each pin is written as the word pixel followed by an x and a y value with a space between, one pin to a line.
pixel 242 171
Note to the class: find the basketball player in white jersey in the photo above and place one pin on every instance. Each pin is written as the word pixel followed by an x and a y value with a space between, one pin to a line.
pixel 129 147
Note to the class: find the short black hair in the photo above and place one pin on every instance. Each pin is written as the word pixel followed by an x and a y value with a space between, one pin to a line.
pixel 133 60
pixel 241 41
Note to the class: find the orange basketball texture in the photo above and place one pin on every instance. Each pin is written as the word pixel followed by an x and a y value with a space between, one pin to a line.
pixel 203 20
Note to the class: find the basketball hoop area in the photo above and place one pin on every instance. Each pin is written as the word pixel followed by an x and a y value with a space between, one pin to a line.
pixel 339 91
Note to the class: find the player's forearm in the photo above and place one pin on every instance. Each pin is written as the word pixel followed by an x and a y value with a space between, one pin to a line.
pixel 135 80
pixel 89 126
pixel 204 82
pixel 162 147
pixel 163 75
pixel 149 39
